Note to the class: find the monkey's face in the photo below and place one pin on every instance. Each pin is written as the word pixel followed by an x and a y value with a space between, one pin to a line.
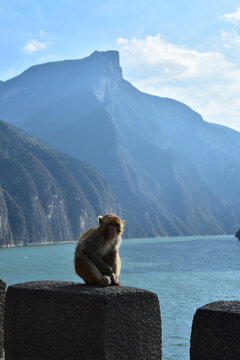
pixel 113 230
pixel 111 226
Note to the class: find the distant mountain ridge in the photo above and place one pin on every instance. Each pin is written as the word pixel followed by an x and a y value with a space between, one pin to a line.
pixel 174 173
pixel 46 196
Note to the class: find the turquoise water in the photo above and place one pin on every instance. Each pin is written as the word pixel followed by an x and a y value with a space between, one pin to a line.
pixel 185 272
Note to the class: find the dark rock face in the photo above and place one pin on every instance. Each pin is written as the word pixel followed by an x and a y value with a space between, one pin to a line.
pixel 66 320
pixel 215 332
pixel 2 300
pixel 46 196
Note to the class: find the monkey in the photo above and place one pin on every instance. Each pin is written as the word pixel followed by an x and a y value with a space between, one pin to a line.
pixel 96 257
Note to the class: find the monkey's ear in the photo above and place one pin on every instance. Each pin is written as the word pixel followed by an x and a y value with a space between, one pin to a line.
pixel 124 221
pixel 100 218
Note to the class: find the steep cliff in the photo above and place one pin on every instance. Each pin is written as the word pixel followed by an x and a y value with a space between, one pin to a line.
pixel 46 196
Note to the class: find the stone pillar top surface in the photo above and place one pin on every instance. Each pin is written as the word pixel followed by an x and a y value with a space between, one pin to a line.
pixel 70 286
pixel 78 288
pixel 222 306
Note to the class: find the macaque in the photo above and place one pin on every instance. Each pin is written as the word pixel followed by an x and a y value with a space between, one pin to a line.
pixel 96 258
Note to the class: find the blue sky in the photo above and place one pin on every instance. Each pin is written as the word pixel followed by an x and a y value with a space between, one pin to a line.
pixel 182 49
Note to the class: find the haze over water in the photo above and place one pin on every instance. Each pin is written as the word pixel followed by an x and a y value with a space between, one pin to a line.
pixel 185 272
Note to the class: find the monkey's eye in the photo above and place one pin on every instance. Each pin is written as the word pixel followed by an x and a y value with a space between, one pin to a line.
pixel 114 224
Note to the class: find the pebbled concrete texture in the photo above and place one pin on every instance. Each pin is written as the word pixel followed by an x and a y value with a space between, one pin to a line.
pixel 215 332
pixel 67 320
pixel 2 300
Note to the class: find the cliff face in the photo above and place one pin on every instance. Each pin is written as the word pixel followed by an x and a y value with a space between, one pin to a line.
pixel 167 166
pixel 6 237
pixel 46 196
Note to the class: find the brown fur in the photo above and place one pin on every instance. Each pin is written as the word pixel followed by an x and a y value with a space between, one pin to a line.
pixel 96 258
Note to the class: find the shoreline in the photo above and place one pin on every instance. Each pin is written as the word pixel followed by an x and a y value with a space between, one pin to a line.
pixel 161 238
pixel 38 244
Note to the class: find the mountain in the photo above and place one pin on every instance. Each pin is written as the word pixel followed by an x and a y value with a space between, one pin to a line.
pixel 45 195
pixel 174 173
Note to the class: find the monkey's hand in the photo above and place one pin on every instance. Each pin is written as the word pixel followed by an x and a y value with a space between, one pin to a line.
pixel 105 281
pixel 114 280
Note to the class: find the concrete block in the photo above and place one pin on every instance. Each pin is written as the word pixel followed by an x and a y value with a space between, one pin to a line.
pixel 64 320
pixel 215 332
pixel 2 300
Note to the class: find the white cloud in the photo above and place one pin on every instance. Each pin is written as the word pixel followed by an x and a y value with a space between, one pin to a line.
pixel 206 81
pixel 233 18
pixel 230 39
pixel 33 46
pixel 175 62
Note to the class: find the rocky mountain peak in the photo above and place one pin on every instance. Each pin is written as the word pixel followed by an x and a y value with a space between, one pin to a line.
pixel 110 59
pixel 110 75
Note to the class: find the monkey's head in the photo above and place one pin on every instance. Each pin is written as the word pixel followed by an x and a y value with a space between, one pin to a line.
pixel 110 226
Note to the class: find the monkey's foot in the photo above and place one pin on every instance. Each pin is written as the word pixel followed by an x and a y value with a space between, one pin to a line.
pixel 114 279
pixel 105 281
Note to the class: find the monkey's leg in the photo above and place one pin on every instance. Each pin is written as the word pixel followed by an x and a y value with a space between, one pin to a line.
pixel 114 261
pixel 101 265
pixel 89 272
